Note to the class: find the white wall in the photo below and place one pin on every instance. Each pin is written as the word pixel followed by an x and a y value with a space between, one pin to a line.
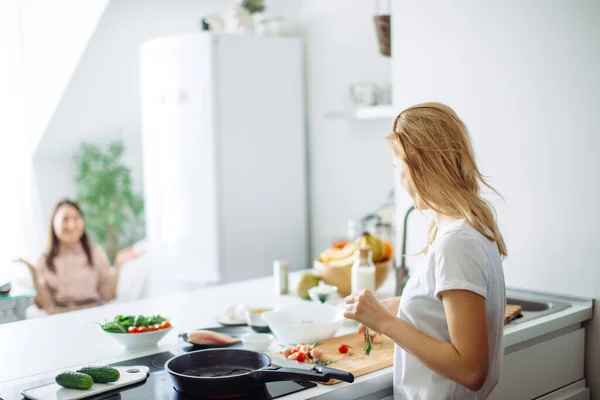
pixel 54 35
pixel 524 77
pixel 349 161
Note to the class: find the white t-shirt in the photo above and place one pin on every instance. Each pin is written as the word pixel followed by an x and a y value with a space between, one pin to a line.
pixel 460 258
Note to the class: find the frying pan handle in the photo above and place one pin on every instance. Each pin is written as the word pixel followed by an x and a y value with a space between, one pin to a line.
pixel 333 373
pixel 318 374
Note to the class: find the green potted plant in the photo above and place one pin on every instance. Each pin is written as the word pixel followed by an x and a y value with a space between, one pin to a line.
pixel 113 212
pixel 254 6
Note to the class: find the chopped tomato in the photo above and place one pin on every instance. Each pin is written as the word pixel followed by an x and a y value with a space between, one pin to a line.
pixel 165 325
pixel 132 329
pixel 286 352
pixel 300 356
pixel 316 353
pixel 343 348
pixel 142 329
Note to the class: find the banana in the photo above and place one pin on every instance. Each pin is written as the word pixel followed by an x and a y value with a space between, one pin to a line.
pixel 343 262
pixel 378 250
pixel 344 257
pixel 338 254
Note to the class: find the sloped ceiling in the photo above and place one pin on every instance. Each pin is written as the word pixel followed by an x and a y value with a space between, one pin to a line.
pixel 54 37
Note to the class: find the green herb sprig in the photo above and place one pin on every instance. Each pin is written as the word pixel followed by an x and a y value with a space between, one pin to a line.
pixel 368 344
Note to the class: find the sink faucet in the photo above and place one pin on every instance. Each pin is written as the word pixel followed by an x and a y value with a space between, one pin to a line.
pixel 401 270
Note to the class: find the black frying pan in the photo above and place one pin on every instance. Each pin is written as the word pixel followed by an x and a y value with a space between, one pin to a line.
pixel 232 372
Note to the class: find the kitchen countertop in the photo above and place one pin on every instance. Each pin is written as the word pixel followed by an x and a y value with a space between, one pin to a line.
pixel 38 348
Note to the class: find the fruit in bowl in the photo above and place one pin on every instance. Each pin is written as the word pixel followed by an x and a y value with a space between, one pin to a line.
pixel 137 331
pixel 334 265
pixel 307 281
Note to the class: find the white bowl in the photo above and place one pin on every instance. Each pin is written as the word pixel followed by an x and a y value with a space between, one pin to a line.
pixel 322 292
pixel 259 342
pixel 307 322
pixel 139 340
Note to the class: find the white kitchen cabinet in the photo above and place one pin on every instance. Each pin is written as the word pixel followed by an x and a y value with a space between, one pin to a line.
pixel 533 370
pixel 545 368
pixel 575 391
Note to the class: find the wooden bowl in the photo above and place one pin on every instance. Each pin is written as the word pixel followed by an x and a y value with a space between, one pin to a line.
pixel 341 276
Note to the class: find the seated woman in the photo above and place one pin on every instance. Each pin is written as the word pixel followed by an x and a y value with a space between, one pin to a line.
pixel 74 272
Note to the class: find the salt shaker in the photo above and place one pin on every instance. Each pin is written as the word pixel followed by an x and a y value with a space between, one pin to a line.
pixel 281 273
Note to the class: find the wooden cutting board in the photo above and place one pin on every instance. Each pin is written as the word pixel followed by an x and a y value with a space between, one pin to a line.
pixel 381 357
pixel 512 311
pixel 355 362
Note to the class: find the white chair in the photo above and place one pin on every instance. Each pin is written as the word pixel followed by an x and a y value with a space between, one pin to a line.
pixel 34 312
pixel 133 280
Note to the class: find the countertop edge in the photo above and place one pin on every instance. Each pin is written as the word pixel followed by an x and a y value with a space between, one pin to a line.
pixel 580 311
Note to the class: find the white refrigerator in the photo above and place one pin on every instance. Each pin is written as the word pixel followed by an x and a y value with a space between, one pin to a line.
pixel 224 156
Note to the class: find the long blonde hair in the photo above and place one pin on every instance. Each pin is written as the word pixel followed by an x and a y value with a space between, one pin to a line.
pixel 436 148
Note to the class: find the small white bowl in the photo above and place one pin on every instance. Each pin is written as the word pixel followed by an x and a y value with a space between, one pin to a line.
pixel 256 321
pixel 139 340
pixel 322 293
pixel 259 342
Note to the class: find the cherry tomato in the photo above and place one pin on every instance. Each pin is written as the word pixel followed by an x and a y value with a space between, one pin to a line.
pixel 154 327
pixel 142 329
pixel 343 348
pixel 300 356
pixel 165 325
pixel 132 329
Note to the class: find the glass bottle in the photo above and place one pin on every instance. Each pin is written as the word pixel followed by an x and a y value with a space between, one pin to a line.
pixel 363 271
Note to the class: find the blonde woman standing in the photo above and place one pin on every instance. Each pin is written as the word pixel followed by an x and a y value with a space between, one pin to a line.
pixel 448 324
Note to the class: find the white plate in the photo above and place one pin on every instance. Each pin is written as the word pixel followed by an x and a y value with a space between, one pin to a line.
pixel 226 321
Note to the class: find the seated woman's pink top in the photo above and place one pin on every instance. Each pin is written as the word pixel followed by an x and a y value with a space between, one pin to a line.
pixel 75 284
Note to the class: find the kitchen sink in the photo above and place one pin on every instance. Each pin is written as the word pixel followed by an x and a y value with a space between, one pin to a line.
pixel 529 305
pixel 533 309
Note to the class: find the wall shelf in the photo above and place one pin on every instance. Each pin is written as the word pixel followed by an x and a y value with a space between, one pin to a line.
pixel 385 111
pixel 377 112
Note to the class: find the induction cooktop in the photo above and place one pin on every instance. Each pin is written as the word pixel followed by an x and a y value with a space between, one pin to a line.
pixel 159 386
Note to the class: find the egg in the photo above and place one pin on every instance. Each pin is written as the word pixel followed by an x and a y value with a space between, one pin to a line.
pixel 230 311
pixel 240 312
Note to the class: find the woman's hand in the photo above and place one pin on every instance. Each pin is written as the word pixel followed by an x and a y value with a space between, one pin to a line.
pixel 392 304
pixel 41 297
pixel 29 266
pixel 366 309
pixel 126 255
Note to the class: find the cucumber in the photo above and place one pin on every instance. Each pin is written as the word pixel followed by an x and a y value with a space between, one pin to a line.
pixel 74 380
pixel 101 374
